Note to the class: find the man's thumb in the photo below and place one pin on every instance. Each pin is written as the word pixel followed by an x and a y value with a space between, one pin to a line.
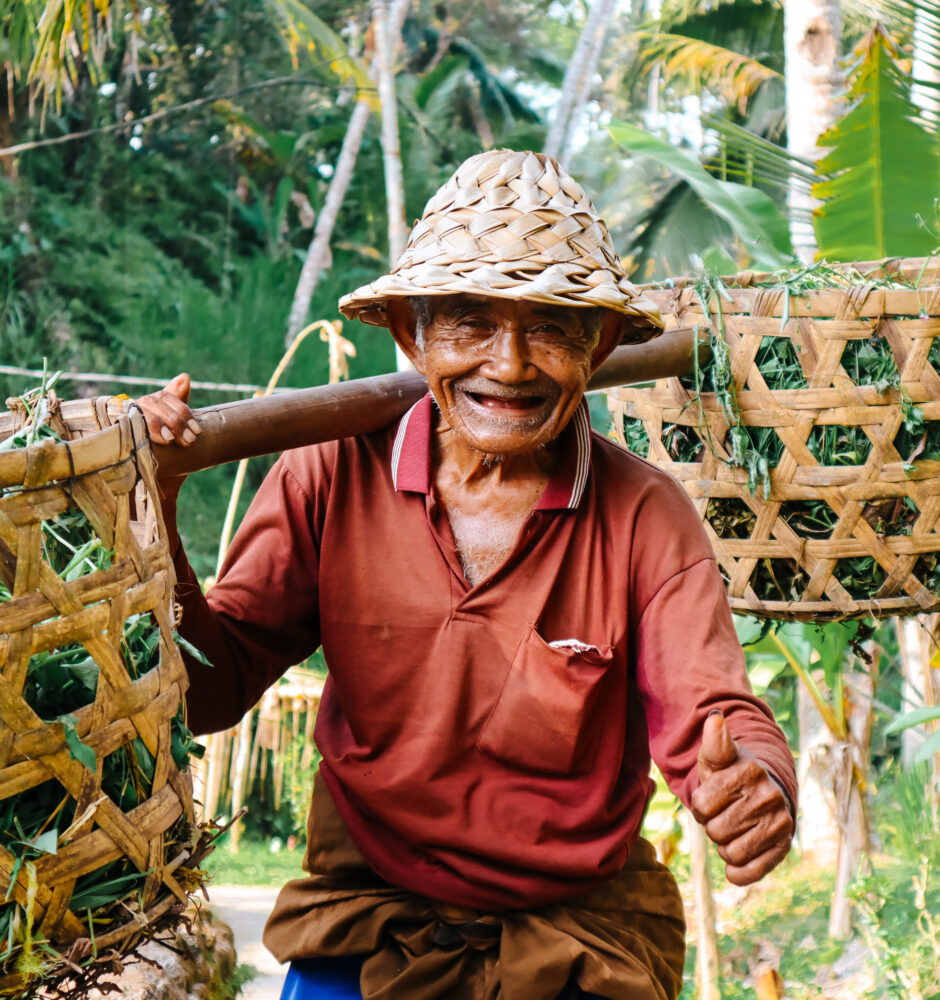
pixel 718 749
pixel 179 387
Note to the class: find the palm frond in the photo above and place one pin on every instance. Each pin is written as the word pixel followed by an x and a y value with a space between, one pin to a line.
pixel 884 168
pixel 703 65
pixel 307 36
pixel 675 12
pixel 52 42
pixel 768 163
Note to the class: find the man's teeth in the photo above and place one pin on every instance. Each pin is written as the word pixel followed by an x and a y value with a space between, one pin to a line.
pixel 508 402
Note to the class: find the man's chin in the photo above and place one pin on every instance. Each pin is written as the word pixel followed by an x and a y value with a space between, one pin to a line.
pixel 505 438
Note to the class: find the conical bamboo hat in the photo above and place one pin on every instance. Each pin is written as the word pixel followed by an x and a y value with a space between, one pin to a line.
pixel 514 225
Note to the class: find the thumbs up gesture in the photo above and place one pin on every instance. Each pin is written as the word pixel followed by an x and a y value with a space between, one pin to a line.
pixel 744 811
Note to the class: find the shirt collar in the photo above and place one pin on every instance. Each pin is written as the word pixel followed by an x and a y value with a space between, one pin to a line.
pixel 411 457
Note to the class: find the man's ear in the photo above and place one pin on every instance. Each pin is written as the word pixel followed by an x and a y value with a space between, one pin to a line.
pixel 401 324
pixel 610 337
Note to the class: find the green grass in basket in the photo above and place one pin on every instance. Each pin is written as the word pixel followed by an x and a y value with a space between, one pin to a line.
pixel 58 683
pixel 759 449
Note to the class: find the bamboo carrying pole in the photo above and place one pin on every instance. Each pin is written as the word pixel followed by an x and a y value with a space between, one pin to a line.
pixel 267 424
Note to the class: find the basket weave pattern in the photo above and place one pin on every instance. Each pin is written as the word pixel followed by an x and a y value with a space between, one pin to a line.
pixel 820 325
pixel 98 474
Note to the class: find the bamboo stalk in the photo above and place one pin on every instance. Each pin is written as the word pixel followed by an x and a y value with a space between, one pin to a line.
pixel 707 962
pixel 249 427
pixel 241 734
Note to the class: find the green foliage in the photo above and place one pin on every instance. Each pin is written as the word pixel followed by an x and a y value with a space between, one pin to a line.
pixel 917 717
pixel 753 216
pixel 234 986
pixel 790 913
pixel 898 901
pixel 883 167
pixel 313 42
pixel 254 863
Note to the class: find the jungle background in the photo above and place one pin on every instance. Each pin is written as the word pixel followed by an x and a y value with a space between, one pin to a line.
pixel 182 188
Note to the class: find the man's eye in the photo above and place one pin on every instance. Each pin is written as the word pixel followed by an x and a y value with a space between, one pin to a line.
pixel 548 330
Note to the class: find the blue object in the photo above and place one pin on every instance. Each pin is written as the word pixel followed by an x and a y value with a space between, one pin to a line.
pixel 323 979
pixel 338 979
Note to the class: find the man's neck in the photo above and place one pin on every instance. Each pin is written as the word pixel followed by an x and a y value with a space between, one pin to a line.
pixel 458 466
pixel 486 497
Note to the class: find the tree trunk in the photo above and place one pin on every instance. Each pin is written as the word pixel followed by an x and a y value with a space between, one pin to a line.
pixel 924 65
pixel 851 781
pixel 601 29
pixel 318 257
pixel 920 688
pixel 239 774
pixel 816 823
pixel 707 969
pixel 812 42
pixel 385 45
pixel 572 85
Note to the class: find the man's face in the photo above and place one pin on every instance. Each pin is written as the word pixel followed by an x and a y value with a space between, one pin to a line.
pixel 507 375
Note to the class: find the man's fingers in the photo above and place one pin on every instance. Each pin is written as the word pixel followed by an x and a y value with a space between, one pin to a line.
pixel 169 418
pixel 745 813
pixel 718 750
pixel 752 839
pixel 758 867
pixel 740 789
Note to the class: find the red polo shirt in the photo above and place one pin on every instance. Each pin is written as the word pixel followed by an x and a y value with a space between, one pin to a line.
pixel 484 745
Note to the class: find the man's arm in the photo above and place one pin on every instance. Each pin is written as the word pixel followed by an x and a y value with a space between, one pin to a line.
pixel 261 616
pixel 735 770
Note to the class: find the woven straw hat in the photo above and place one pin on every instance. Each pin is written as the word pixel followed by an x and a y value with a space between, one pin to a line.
pixel 515 225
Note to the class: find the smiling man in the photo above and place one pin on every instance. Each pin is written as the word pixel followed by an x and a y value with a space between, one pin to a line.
pixel 516 615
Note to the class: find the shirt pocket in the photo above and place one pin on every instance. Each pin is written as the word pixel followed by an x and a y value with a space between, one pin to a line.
pixel 542 719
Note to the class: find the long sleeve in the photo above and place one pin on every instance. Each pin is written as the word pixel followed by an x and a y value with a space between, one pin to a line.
pixel 689 663
pixel 687 654
pixel 262 614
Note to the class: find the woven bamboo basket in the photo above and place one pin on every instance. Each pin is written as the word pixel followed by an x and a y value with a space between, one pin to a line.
pixel 104 468
pixel 780 556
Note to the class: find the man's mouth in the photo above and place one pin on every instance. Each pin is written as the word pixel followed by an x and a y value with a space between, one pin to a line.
pixel 508 405
pixel 507 402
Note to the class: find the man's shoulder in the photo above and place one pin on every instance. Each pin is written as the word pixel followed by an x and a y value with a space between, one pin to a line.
pixel 619 469
pixel 316 462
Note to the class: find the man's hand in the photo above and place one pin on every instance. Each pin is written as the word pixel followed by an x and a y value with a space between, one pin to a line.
pixel 744 811
pixel 170 421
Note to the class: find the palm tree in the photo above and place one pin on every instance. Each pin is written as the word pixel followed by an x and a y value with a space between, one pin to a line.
pixel 318 257
pixel 578 75
pixel 812 45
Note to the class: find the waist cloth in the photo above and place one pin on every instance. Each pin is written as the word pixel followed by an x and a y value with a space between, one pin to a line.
pixel 624 939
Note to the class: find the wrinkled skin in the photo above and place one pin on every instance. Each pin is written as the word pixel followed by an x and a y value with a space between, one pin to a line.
pixel 743 810
pixel 507 377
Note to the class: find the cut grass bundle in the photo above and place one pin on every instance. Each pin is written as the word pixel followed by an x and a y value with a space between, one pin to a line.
pixel 810 442
pixel 98 844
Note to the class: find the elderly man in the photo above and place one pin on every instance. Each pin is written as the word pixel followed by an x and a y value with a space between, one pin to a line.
pixel 515 613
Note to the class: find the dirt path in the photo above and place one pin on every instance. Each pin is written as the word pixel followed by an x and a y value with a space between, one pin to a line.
pixel 245 910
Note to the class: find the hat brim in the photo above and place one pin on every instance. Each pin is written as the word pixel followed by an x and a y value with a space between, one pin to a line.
pixel 642 320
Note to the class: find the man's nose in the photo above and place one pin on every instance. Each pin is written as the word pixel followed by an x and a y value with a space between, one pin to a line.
pixel 508 357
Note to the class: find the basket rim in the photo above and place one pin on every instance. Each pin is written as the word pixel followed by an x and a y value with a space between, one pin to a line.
pixel 78 456
pixel 906 267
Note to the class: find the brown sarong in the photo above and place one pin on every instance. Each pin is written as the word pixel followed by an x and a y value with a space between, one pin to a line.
pixel 624 940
